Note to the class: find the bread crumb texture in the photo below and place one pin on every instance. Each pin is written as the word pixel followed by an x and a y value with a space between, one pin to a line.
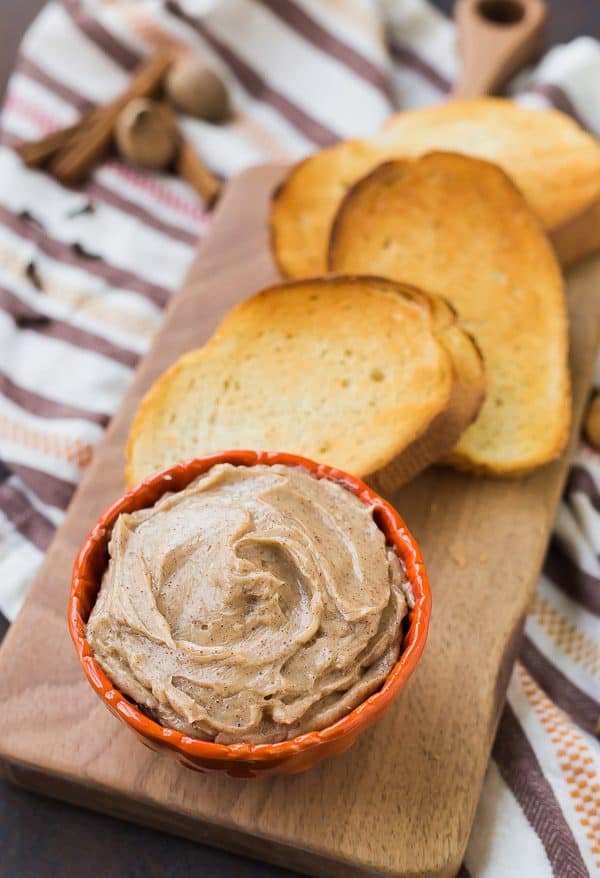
pixel 346 371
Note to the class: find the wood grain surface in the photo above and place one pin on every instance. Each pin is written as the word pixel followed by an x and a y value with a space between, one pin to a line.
pixel 402 801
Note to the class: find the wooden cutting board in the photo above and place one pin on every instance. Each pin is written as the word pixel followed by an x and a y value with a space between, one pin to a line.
pixel 402 801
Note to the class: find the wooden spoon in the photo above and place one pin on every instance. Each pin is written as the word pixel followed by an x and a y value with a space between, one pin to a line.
pixel 496 39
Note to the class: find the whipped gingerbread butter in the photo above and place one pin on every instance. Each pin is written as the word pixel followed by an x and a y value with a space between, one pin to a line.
pixel 256 604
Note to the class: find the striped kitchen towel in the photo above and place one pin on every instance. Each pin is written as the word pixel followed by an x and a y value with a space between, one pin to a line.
pixel 82 292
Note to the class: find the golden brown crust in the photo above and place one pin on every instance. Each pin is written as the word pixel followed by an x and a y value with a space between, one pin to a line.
pixel 351 159
pixel 419 223
pixel 552 160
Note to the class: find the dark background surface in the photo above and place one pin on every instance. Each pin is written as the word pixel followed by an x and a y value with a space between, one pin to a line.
pixel 40 837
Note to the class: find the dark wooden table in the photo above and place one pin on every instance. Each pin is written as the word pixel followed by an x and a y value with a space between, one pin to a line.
pixel 39 837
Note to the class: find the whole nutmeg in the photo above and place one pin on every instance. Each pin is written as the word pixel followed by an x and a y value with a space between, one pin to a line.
pixel 197 90
pixel 592 423
pixel 146 134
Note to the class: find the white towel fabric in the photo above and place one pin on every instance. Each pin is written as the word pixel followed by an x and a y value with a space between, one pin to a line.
pixel 82 291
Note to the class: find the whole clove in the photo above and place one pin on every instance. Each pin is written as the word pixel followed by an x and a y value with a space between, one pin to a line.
pixel 33 275
pixel 30 218
pixel 29 321
pixel 88 207
pixel 80 250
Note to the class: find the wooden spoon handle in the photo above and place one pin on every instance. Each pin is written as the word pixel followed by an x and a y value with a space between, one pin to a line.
pixel 496 38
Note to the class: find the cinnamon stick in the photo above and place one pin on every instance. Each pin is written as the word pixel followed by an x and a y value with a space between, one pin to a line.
pixel 190 168
pixel 72 152
pixel 91 140
pixel 36 153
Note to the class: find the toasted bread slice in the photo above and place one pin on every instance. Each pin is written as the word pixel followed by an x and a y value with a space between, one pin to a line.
pixel 459 227
pixel 305 203
pixel 469 369
pixel 354 372
pixel 552 160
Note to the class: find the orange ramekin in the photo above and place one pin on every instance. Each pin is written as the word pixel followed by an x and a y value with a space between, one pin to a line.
pixel 246 760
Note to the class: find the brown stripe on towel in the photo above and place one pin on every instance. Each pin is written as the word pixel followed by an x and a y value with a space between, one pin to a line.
pixel 557 96
pixel 581 481
pixel 49 488
pixel 59 329
pixel 33 71
pixel 521 771
pixel 582 708
pixel 325 41
pixel 43 407
pixel 30 523
pixel 115 48
pixel 133 209
pixel 409 58
pixel 580 586
pixel 254 83
pixel 67 254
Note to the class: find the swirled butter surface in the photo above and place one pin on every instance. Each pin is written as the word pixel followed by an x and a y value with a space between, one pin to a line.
pixel 256 604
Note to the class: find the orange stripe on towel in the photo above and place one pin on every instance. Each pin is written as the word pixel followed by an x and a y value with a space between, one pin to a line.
pixel 566 636
pixel 73 451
